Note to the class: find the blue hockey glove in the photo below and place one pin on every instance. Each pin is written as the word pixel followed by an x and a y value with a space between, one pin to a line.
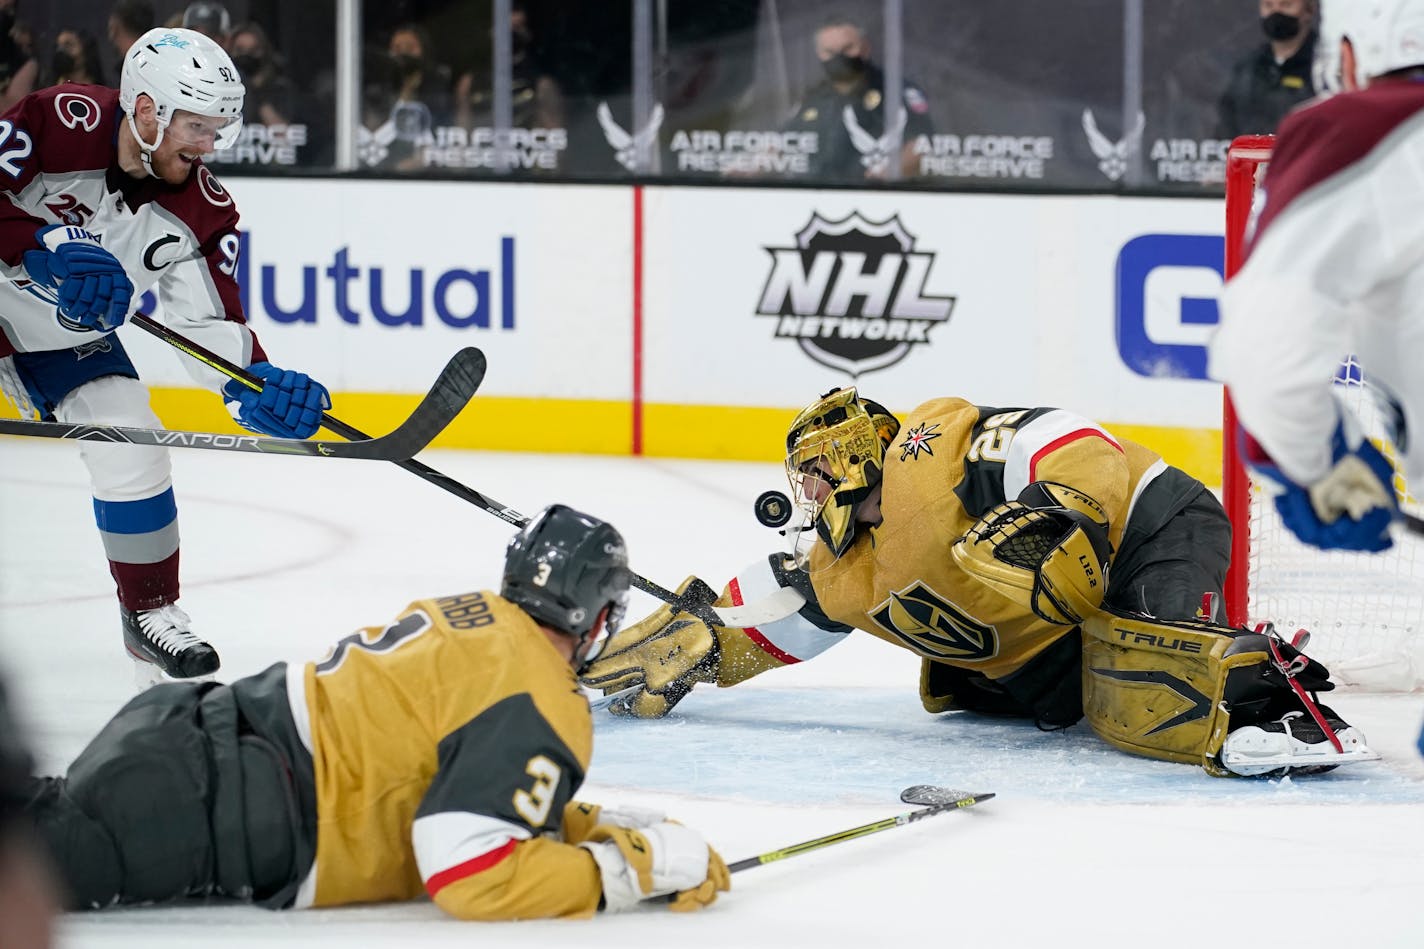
pixel 289 405
pixel 1351 508
pixel 94 291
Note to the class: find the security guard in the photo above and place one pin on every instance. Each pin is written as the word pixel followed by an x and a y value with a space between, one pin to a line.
pixel 1276 76
pixel 846 110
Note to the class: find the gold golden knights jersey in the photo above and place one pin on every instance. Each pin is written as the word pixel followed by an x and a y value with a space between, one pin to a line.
pixel 950 463
pixel 444 748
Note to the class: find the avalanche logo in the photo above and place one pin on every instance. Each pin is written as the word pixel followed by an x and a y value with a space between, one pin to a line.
pixel 77 111
pixel 852 293
pixel 215 193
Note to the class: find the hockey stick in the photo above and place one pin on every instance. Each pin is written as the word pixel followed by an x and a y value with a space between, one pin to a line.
pixel 946 801
pixel 457 383
pixel 773 607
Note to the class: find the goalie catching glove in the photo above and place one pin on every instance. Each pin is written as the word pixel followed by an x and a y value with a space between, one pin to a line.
pixel 658 860
pixel 667 653
pixel 1053 560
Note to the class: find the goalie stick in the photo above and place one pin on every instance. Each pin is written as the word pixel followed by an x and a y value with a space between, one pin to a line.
pixel 782 603
pixel 451 392
pixel 940 801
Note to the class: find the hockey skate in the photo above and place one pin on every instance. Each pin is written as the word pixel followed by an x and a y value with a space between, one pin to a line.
pixel 1294 743
pixel 164 647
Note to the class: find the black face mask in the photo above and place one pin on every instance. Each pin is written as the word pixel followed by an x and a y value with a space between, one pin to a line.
pixel 519 43
pixel 63 63
pixel 407 65
pixel 1280 26
pixel 248 64
pixel 841 68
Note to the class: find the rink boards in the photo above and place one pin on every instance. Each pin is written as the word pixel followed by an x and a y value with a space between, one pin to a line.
pixel 692 321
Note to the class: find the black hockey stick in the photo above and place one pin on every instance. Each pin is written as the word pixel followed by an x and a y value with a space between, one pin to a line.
pixel 945 801
pixel 457 383
pixel 782 603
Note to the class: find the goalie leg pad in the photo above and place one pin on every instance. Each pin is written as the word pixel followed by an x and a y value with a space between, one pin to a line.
pixel 1156 689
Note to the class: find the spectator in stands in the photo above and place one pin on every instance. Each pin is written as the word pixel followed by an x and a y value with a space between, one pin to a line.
pixel 27 897
pixel 18 69
pixel 211 19
pixel 537 100
pixel 271 96
pixel 1275 77
pixel 422 92
pixel 846 109
pixel 76 59
pixel 128 20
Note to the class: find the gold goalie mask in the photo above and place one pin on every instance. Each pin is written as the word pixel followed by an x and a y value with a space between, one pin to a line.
pixel 835 455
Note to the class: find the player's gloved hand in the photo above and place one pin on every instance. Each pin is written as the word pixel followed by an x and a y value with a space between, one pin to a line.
pixel 289 405
pixel 665 653
pixel 94 290
pixel 662 859
pixel 1351 508
pixel 580 817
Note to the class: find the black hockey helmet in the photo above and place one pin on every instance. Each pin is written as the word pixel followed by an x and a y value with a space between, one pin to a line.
pixel 568 570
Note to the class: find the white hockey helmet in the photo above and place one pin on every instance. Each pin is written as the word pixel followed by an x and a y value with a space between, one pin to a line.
pixel 1385 35
pixel 182 69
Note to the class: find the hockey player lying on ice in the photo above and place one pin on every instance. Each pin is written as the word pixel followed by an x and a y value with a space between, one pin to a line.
pixel 1039 565
pixel 438 755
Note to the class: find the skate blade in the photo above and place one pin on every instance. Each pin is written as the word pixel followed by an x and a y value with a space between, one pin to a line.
pixel 1266 752
pixel 147 675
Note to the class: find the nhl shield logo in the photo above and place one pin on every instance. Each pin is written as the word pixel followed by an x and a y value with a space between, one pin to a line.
pixel 851 292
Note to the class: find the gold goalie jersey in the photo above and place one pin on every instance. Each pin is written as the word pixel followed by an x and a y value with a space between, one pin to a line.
pixel 445 747
pixel 950 463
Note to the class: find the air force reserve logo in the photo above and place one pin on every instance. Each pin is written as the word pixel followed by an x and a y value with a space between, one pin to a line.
pixel 1113 156
pixel 852 293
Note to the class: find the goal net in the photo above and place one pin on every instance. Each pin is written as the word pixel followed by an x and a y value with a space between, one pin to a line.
pixel 1365 612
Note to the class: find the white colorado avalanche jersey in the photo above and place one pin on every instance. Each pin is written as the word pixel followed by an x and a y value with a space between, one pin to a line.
pixel 1336 268
pixel 59 165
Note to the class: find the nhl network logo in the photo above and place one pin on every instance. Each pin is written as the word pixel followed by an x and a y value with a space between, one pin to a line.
pixel 852 293
pixel 1113 156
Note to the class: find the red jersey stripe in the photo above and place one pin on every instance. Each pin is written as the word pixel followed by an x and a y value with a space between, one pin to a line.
pixel 1062 440
pixel 469 868
pixel 754 634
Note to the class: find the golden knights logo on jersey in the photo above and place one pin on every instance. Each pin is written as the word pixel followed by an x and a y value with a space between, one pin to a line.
pixel 852 293
pixel 932 626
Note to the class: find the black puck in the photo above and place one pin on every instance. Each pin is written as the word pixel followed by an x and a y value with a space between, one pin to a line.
pixel 773 508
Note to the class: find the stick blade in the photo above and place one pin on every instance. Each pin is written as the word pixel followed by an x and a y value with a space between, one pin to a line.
pixel 932 794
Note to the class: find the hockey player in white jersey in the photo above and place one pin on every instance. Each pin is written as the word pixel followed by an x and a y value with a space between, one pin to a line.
pixel 105 197
pixel 1336 267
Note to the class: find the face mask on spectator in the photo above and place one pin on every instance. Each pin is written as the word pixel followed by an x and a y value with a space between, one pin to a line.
pixel 519 43
pixel 408 65
pixel 248 64
pixel 63 63
pixel 1280 26
pixel 841 67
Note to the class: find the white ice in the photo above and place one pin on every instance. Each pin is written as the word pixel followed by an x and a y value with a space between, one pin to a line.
pixel 1084 845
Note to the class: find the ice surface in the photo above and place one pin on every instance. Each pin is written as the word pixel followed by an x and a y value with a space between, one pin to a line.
pixel 1084 845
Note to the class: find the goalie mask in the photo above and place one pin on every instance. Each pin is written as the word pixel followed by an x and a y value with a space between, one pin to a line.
pixel 835 456
pixel 569 571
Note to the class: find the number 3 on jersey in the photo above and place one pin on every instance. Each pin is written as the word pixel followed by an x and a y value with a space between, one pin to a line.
pixel 392 637
pixel 533 805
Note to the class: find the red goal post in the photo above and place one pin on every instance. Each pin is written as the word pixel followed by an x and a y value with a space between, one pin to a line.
pixel 1365 612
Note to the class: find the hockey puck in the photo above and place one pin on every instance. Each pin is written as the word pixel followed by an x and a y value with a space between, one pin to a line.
pixel 773 508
